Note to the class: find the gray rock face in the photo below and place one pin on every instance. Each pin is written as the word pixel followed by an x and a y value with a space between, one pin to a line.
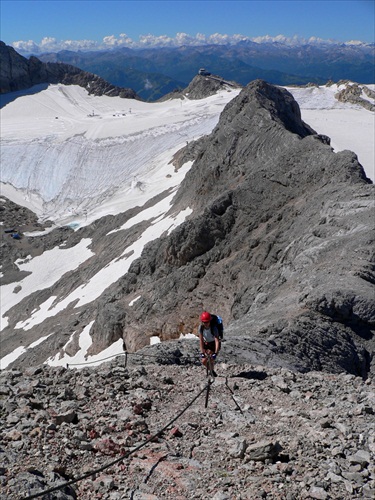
pixel 17 220
pixel 280 243
pixel 18 73
pixel 148 430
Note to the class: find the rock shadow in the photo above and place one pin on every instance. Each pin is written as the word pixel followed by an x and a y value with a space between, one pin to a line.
pixel 363 330
pixel 252 375
pixel 12 96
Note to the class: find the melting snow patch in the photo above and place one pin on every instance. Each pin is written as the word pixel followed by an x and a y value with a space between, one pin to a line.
pixel 187 336
pixel 179 218
pixel 9 358
pixel 80 359
pixel 46 270
pixel 37 342
pixel 162 206
pixel 85 342
pixel 134 300
pixel 91 290
pixel 40 233
pixel 25 260
pixel 154 340
pixel 38 315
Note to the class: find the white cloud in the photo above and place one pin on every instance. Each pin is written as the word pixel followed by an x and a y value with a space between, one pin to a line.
pixel 26 47
pixel 123 41
pixel 156 41
pixel 354 42
pixel 293 41
pixel 185 39
pixel 49 44
pixel 111 41
pixel 218 39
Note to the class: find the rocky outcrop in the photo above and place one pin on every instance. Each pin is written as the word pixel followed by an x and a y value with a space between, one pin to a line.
pixel 357 94
pixel 15 221
pixel 201 87
pixel 147 430
pixel 18 73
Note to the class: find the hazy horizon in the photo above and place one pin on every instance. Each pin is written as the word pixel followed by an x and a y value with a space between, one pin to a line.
pixel 40 26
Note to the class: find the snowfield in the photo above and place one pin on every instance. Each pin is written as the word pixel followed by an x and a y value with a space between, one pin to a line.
pixel 73 158
pixel 70 153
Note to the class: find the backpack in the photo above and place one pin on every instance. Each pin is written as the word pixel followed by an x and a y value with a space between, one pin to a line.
pixel 218 322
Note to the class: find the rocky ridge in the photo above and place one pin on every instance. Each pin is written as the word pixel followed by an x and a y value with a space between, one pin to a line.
pixel 266 432
pixel 18 73
pixel 280 243
pixel 270 243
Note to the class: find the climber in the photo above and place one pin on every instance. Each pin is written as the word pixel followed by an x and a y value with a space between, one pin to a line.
pixel 209 343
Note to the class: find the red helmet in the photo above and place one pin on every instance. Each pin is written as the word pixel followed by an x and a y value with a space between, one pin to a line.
pixel 205 316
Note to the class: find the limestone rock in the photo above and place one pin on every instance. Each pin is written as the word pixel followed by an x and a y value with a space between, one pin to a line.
pixel 206 450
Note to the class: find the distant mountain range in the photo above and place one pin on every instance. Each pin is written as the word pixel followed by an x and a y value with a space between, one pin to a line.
pixel 154 72
pixel 19 73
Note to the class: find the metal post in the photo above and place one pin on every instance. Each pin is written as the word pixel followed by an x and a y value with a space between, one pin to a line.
pixel 207 394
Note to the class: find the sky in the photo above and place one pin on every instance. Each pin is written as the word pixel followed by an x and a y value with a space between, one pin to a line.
pixel 113 21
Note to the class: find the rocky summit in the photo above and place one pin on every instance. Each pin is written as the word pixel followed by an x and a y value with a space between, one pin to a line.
pixel 202 85
pixel 153 426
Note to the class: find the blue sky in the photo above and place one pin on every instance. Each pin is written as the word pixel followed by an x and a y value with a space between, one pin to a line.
pixel 93 20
